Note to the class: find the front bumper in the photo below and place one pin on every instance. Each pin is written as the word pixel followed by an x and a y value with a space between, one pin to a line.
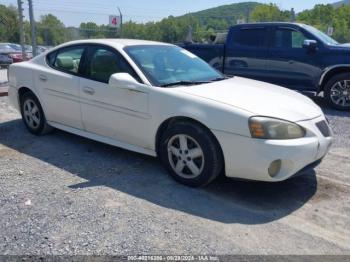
pixel 249 158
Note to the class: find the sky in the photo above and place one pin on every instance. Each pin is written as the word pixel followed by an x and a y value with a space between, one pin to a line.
pixel 73 12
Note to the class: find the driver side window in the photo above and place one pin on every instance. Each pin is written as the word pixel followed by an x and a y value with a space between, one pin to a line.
pixel 104 62
pixel 288 38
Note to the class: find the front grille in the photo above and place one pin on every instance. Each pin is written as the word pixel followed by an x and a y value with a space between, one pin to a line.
pixel 324 128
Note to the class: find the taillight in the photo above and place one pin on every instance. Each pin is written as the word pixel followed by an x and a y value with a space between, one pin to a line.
pixel 16 56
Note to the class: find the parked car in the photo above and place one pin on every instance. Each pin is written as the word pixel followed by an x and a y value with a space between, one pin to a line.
pixel 28 51
pixel 161 100
pixel 5 60
pixel 41 49
pixel 11 52
pixel 292 55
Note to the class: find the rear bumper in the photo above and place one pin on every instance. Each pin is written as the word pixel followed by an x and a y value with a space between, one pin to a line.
pixel 5 63
pixel 13 97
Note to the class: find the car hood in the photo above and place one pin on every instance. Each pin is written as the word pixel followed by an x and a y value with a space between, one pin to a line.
pixel 341 47
pixel 259 98
pixel 345 45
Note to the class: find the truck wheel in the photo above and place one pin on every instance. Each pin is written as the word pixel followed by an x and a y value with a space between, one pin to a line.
pixel 191 154
pixel 33 115
pixel 337 91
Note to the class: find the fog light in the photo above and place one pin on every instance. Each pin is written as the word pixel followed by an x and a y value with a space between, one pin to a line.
pixel 275 167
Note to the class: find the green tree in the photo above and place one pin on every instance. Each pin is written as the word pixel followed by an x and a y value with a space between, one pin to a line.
pixel 51 31
pixel 324 16
pixel 90 30
pixel 269 13
pixel 9 29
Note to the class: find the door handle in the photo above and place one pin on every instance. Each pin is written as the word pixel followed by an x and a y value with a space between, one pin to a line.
pixel 43 78
pixel 88 90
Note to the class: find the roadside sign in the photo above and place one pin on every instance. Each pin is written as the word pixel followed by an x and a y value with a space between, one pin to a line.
pixel 114 21
pixel 330 31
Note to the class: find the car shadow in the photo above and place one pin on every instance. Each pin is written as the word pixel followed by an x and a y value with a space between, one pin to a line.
pixel 225 200
pixel 327 109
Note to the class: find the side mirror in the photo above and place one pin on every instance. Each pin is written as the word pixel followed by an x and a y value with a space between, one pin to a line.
pixel 310 44
pixel 124 81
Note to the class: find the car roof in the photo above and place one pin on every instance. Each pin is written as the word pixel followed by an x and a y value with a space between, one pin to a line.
pixel 270 23
pixel 116 42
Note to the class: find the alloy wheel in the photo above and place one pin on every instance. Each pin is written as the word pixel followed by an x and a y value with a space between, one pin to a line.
pixel 31 114
pixel 340 93
pixel 185 156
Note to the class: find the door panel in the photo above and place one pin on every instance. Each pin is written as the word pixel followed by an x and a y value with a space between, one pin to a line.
pixel 109 111
pixel 248 54
pixel 289 63
pixel 59 87
pixel 116 113
pixel 60 97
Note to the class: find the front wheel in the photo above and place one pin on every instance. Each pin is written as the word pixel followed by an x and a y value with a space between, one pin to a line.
pixel 191 154
pixel 337 91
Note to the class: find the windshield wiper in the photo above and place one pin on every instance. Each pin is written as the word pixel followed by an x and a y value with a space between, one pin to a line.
pixel 219 79
pixel 178 83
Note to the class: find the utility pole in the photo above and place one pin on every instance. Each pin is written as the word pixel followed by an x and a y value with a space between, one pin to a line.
pixel 121 23
pixel 292 14
pixel 247 15
pixel 32 26
pixel 21 29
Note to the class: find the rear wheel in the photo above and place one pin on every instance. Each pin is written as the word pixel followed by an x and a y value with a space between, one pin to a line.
pixel 191 154
pixel 337 91
pixel 33 115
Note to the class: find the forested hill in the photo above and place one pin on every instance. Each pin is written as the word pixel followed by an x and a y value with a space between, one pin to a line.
pixel 52 31
pixel 340 3
pixel 231 12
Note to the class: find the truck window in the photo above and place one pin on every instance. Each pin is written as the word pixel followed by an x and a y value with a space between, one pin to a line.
pixel 288 38
pixel 250 37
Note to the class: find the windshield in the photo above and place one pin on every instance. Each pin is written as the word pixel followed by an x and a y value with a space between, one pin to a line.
pixel 322 36
pixel 167 65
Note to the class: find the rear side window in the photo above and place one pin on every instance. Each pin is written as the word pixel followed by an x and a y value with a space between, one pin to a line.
pixel 66 59
pixel 250 37
pixel 50 58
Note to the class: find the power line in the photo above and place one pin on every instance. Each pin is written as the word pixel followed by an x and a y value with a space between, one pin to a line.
pixel 131 15
pixel 105 5
pixel 92 13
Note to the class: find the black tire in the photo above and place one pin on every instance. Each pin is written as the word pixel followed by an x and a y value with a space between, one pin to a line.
pixel 328 93
pixel 213 161
pixel 41 127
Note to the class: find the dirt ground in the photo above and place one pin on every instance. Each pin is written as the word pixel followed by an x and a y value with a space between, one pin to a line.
pixel 62 194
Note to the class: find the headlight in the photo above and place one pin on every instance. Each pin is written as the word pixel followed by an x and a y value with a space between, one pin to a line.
pixel 271 128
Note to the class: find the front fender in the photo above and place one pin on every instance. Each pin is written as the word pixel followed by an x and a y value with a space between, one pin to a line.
pixel 330 70
pixel 213 115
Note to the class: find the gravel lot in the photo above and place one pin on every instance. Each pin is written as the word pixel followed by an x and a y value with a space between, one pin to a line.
pixel 62 194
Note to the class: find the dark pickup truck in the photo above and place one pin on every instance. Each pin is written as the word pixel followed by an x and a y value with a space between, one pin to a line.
pixel 292 55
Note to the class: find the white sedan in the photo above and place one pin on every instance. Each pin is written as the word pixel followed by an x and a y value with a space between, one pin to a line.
pixel 159 99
